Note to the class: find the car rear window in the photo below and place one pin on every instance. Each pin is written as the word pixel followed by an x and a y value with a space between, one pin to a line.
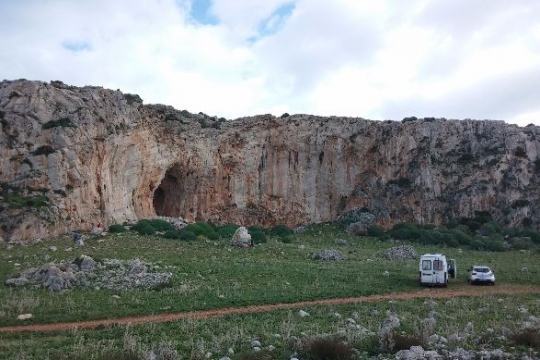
pixel 482 269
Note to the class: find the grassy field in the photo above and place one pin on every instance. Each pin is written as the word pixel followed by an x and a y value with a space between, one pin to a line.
pixel 211 274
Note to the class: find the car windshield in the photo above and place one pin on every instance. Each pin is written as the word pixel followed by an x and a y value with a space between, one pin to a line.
pixel 482 269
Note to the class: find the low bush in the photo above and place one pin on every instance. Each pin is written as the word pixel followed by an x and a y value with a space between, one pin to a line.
pixel 527 337
pixel 171 234
pixel 287 239
pixel 161 225
pixel 116 228
pixel 196 229
pixel 281 230
pixel 378 232
pixel 258 237
pixel 227 231
pixel 326 349
pixel 256 228
pixel 63 122
pixel 404 342
pixel 186 235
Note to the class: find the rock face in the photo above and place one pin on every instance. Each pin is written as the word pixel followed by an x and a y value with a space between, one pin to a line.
pixel 72 157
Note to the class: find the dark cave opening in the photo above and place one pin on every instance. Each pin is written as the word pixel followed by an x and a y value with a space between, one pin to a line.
pixel 168 198
pixel 159 200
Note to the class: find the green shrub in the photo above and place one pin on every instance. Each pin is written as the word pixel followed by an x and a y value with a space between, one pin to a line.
pixel 146 230
pixel 520 243
pixel 405 231
pixel 206 227
pixel 281 230
pixel 258 237
pixel 161 225
pixel 477 244
pixel 186 235
pixel 37 201
pixel 116 228
pixel 326 349
pixel 533 235
pixel 212 235
pixel 287 239
pixel 376 231
pixel 63 122
pixel 461 237
pixel 255 228
pixel 494 245
pixel 227 231
pixel 195 228
pixel 171 234
pixel 141 223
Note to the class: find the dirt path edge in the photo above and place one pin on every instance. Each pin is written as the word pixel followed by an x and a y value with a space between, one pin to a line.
pixel 435 293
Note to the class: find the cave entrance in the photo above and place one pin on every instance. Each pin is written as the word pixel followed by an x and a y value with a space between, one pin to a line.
pixel 168 198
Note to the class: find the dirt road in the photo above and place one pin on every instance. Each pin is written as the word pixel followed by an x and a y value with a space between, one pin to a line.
pixel 435 293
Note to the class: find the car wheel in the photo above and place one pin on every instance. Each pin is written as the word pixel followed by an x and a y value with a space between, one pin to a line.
pixel 492 283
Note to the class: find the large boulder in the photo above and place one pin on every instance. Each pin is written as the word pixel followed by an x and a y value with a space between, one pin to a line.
pixel 241 238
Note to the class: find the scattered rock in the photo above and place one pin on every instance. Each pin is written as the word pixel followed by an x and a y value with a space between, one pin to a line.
pixel 86 272
pixel 401 252
pixel 330 254
pixel 340 242
pixel 20 281
pixel 300 229
pixel 25 316
pixel 52 248
pixel 303 314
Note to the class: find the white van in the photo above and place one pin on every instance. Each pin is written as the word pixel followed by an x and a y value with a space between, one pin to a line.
pixel 435 269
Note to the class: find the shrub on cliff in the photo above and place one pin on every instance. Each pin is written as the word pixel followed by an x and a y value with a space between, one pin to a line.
pixel 357 215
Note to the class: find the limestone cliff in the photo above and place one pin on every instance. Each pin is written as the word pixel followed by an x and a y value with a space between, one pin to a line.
pixel 70 157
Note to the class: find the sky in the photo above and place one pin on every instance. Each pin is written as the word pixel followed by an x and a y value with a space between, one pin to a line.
pixel 384 59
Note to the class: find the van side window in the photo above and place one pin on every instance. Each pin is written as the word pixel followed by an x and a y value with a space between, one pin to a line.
pixel 438 265
pixel 426 264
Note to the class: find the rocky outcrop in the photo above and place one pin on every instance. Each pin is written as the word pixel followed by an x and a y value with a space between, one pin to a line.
pixel 71 157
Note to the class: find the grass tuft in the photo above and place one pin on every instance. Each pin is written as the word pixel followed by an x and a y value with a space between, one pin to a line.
pixel 326 349
pixel 527 337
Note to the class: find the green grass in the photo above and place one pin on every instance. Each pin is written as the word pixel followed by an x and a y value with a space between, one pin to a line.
pixel 193 338
pixel 211 274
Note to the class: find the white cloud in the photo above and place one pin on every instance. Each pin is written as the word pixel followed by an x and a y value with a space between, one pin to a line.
pixel 374 59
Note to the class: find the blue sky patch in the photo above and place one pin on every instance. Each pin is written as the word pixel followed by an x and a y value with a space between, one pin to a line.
pixel 76 45
pixel 273 23
pixel 200 12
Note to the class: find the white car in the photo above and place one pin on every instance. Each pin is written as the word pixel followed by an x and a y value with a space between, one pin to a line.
pixel 480 274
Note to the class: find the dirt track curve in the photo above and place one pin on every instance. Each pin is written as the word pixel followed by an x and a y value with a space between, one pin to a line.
pixel 436 293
